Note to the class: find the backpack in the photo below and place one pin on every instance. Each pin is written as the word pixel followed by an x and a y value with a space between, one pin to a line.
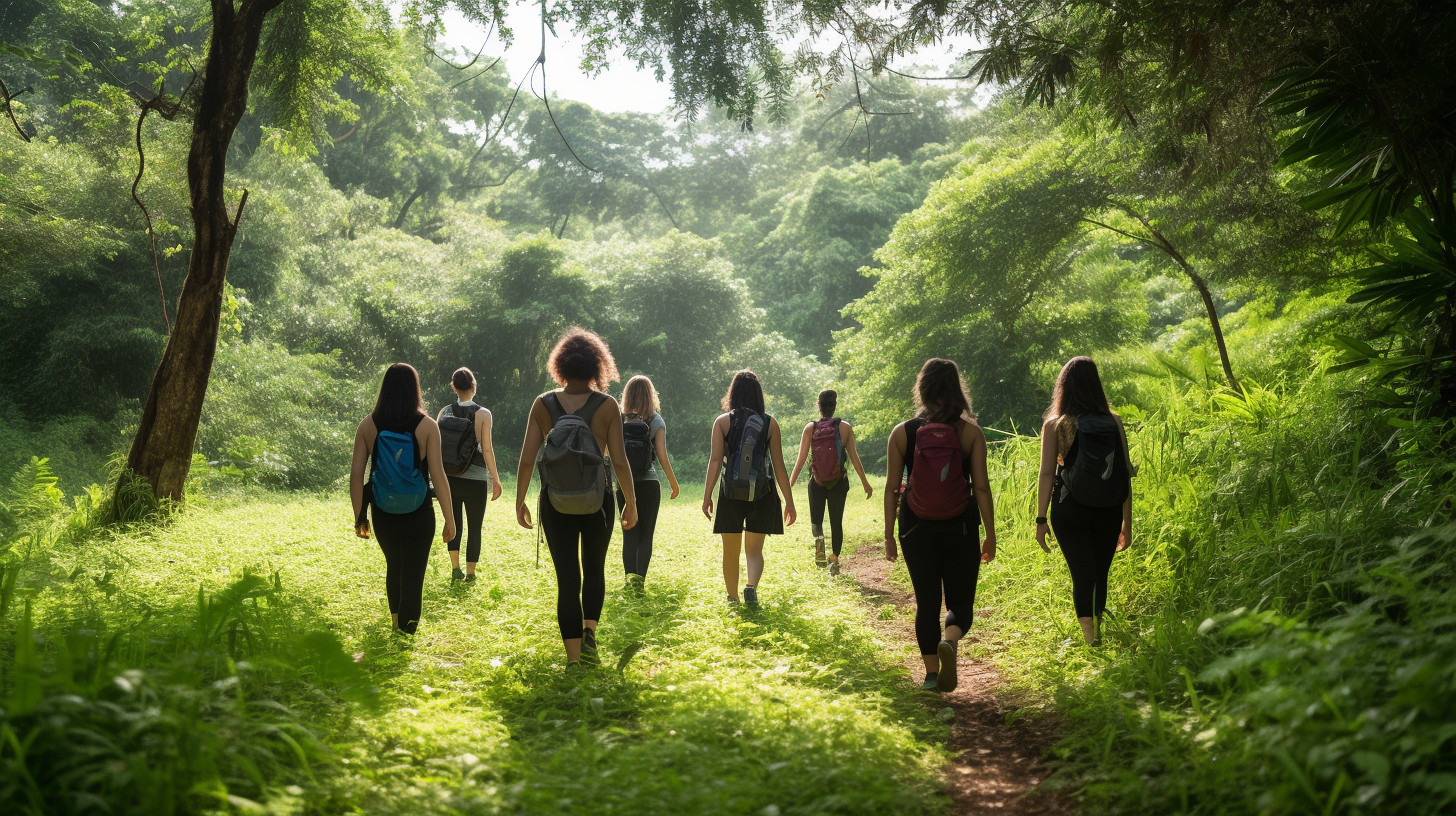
pixel 826 452
pixel 1099 475
pixel 637 440
pixel 396 484
pixel 747 476
pixel 458 446
pixel 938 487
pixel 571 464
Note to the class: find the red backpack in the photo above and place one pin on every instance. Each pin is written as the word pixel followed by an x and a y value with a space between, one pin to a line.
pixel 826 452
pixel 939 489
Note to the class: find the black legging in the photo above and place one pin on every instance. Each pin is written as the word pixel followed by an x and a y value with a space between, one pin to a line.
pixel 834 496
pixel 637 542
pixel 471 494
pixel 405 539
pixel 578 547
pixel 944 560
pixel 1088 538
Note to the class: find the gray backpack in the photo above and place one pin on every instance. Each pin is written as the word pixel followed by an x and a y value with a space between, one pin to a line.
pixel 571 464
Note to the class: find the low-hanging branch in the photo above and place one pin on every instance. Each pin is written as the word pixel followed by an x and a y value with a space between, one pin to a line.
pixel 9 111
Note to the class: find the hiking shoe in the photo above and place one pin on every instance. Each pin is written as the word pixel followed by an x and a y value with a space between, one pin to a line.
pixel 457 574
pixel 930 682
pixel 833 567
pixel 946 679
pixel 469 577
pixel 589 646
pixel 819 557
pixel 750 595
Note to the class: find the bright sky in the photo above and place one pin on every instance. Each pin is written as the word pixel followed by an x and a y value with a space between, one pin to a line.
pixel 621 87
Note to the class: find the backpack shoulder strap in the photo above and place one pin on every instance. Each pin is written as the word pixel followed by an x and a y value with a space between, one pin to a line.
pixel 910 428
pixel 553 406
pixel 589 408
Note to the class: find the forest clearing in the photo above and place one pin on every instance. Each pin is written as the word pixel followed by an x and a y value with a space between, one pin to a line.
pixel 1119 337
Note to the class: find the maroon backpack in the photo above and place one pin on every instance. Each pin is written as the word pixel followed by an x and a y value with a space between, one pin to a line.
pixel 826 452
pixel 938 486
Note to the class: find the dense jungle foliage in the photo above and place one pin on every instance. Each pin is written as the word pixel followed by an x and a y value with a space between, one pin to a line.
pixel 1246 214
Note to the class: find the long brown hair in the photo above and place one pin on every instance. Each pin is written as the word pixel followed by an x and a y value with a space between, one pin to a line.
pixel 1078 391
pixel 940 392
pixel 640 397
pixel 744 392
pixel 399 396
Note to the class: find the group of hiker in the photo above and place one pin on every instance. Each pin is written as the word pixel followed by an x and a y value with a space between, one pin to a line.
pixel 582 442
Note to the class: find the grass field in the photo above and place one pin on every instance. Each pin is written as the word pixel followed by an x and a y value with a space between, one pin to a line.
pixel 279 612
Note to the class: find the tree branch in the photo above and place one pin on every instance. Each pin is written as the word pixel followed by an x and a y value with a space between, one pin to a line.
pixel 9 111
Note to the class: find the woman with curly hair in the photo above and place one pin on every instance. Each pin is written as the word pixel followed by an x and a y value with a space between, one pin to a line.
pixel 747 443
pixel 943 453
pixel 564 423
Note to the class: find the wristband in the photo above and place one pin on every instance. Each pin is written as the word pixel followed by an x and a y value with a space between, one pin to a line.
pixel 1041 520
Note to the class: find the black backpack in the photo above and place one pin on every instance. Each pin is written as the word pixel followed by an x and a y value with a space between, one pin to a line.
pixel 637 440
pixel 748 476
pixel 459 449
pixel 1099 475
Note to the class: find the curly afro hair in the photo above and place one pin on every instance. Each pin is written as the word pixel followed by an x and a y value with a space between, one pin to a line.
pixel 582 355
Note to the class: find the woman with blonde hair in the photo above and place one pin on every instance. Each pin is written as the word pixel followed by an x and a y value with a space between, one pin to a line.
pixel 573 427
pixel 943 453
pixel 644 437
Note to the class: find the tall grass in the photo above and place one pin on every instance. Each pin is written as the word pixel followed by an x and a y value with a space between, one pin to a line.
pixel 1252 663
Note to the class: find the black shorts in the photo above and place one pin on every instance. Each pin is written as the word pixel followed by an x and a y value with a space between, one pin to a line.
pixel 736 515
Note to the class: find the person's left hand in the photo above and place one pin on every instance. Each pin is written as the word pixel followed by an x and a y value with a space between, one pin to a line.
pixel 988 550
pixel 790 514
pixel 449 534
pixel 629 516
pixel 674 492
pixel 495 490
pixel 869 490
pixel 1124 539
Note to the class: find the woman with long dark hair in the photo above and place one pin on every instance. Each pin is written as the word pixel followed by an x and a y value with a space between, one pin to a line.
pixel 943 453
pixel 577 534
pixel 401 443
pixel 470 488
pixel 747 448
pixel 827 445
pixel 640 406
pixel 1090 508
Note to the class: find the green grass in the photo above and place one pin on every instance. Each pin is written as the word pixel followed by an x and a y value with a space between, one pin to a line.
pixel 698 708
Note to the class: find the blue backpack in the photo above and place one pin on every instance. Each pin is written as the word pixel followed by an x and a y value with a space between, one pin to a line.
pixel 396 483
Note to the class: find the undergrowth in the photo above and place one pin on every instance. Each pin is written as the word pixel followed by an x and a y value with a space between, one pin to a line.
pixel 1279 636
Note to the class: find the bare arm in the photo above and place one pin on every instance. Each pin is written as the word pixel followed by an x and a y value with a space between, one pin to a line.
pixel 659 442
pixel 529 448
pixel 847 434
pixel 431 433
pixel 776 448
pixel 895 462
pixel 484 426
pixel 356 469
pixel 1124 540
pixel 804 441
pixel 981 487
pixel 612 414
pixel 1045 478
pixel 715 462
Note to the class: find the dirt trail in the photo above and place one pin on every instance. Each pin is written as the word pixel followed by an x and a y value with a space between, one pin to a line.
pixel 995 765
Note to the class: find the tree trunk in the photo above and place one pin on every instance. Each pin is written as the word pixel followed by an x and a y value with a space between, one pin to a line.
pixel 162 451
pixel 1157 239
